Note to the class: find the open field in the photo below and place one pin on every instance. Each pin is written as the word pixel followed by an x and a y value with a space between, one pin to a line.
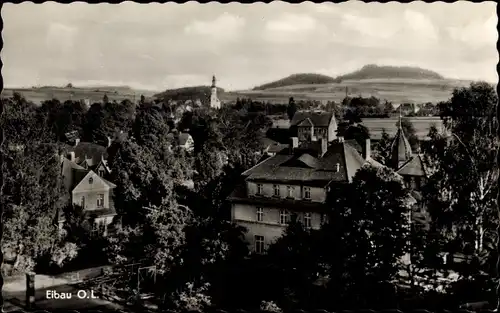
pixel 38 95
pixel 421 124
pixel 394 90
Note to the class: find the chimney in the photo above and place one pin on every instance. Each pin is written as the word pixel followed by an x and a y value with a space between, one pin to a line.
pixel 324 146
pixel 367 149
pixel 77 141
pixel 294 143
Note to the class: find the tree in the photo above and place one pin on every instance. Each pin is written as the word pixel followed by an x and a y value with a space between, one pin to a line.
pixel 382 151
pixel 466 175
pixel 32 189
pixel 119 116
pixel 291 109
pixel 94 129
pixel 141 180
pixel 105 99
pixel 208 166
pixel 296 257
pixel 149 127
pixel 366 236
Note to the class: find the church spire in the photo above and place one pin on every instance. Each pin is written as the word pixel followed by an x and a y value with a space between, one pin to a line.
pixel 401 150
pixel 214 81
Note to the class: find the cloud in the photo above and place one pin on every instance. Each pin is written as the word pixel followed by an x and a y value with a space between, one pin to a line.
pixel 171 45
pixel 290 22
pixel 226 26
pixel 291 27
pixel 60 37
pixel 421 26
pixel 476 33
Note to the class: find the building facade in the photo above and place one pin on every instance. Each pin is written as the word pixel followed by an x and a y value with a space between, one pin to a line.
pixel 314 125
pixel 84 171
pixel 293 182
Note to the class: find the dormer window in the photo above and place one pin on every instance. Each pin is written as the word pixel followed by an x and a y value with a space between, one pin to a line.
pixel 307 193
pixel 259 189
pixel 276 190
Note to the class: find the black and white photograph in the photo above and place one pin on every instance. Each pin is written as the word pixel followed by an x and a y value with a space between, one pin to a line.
pixel 260 157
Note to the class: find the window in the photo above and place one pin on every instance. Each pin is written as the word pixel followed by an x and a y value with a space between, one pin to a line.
pixel 259 189
pixel 307 220
pixel 82 202
pixel 284 217
pixel 307 193
pixel 101 172
pixel 324 219
pixel 289 191
pixel 337 167
pixel 91 180
pixel 260 214
pixel 276 190
pixel 98 229
pixel 100 200
pixel 259 244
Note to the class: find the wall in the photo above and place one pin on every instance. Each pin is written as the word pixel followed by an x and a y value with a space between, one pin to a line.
pixel 270 227
pixel 317 194
pixel 18 282
pixel 304 133
pixel 90 199
pixel 332 129
pixel 320 132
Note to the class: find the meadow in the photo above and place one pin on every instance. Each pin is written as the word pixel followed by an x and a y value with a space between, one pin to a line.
pixel 396 91
pixel 38 95
pixel 422 125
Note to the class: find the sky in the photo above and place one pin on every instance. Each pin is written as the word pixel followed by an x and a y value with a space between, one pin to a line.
pixel 163 46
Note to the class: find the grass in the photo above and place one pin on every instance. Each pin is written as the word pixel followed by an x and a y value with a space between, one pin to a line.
pixel 421 124
pixel 38 95
pixel 394 90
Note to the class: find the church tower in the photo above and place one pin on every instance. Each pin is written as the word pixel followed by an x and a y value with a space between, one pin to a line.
pixel 214 101
pixel 401 149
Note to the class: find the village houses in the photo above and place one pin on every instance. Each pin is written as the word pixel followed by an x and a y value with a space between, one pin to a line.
pixel 84 169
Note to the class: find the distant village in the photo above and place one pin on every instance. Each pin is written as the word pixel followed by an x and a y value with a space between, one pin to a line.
pixel 214 197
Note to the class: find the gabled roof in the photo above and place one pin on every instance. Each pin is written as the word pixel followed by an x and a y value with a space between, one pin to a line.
pixel 318 118
pixel 306 123
pixel 302 167
pixel 88 150
pixel 104 163
pixel 413 167
pixel 98 182
pixel 275 148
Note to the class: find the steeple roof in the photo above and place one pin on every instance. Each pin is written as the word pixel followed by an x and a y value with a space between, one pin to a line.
pixel 401 148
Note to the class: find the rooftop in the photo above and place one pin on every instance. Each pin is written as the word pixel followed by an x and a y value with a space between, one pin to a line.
pixel 305 166
pixel 317 118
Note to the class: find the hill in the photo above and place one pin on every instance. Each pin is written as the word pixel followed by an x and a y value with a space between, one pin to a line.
pixel 372 71
pixel 94 94
pixel 189 93
pixel 396 91
pixel 298 79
